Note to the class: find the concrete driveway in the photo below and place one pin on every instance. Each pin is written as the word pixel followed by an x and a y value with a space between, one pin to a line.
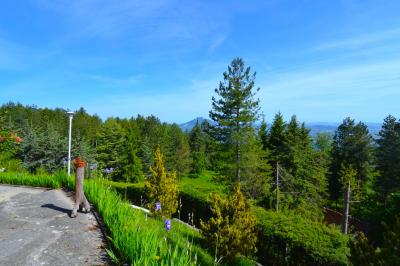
pixel 35 229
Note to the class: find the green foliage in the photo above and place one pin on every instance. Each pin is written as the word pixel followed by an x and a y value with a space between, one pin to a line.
pixel 256 169
pixel 231 229
pixel 8 149
pixel 277 140
pixel 363 253
pixel 240 156
pixel 287 238
pixel 43 147
pixel 388 157
pixel 284 238
pixel 180 154
pixel 302 171
pixel 197 141
pixel 234 113
pixel 263 135
pixel 110 141
pixel 27 179
pixel 348 175
pixel 132 164
pixel 352 144
pixel 323 143
pixel 161 186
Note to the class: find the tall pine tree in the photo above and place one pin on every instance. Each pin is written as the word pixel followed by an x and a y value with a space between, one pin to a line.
pixel 110 148
pixel 198 148
pixel 352 145
pixel 388 157
pixel 235 111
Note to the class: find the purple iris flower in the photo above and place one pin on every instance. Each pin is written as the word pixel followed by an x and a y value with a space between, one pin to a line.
pixel 108 170
pixel 168 225
pixel 158 206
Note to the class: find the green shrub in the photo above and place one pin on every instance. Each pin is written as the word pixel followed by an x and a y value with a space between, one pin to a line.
pixel 286 238
pixel 231 229
pixel 161 186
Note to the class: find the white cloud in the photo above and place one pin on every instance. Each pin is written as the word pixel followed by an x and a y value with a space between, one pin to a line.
pixel 381 37
pixel 178 105
pixel 334 92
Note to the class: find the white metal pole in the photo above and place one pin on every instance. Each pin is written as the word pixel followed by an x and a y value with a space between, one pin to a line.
pixel 69 143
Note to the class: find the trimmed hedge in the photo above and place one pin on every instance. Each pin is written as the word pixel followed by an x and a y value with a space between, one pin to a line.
pixel 285 238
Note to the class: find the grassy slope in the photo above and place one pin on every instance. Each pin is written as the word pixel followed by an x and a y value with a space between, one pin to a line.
pixel 311 240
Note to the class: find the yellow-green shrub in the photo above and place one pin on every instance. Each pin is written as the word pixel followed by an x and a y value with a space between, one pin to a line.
pixel 231 229
pixel 161 186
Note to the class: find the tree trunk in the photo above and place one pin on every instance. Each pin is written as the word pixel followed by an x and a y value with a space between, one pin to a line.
pixel 80 199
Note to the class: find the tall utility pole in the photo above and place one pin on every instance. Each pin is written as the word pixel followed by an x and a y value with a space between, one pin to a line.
pixel 71 115
pixel 346 207
pixel 277 187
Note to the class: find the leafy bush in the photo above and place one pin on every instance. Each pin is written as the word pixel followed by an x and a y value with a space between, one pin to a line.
pixel 286 238
pixel 362 253
pixel 231 229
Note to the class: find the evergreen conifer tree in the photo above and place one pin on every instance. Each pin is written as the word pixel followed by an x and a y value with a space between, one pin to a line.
pixel 231 229
pixel 352 145
pixel 388 157
pixel 277 140
pixel 234 111
pixel 132 164
pixel 110 148
pixel 198 148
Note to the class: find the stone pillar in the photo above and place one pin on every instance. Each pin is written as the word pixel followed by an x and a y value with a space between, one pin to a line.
pixel 80 199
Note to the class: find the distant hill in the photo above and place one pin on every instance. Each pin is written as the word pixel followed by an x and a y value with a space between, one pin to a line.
pixel 315 127
pixel 189 125
pixel 330 127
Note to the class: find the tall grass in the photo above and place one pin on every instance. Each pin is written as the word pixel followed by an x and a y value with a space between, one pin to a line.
pixel 135 238
pixel 26 179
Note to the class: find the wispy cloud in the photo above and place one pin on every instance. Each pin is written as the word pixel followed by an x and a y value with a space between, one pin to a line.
pixel 359 41
pixel 218 41
pixel 179 105
pixel 342 89
pixel 138 21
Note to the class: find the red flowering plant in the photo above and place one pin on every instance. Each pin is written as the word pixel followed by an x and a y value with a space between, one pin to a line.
pixel 79 162
pixel 7 140
pixel 8 149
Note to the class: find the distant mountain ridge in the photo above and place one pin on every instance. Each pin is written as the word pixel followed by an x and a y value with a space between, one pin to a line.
pixel 315 127
pixel 192 123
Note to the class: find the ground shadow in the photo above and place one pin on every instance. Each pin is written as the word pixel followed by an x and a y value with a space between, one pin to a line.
pixel 57 208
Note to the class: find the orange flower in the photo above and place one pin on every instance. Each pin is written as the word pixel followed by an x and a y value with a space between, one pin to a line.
pixel 78 162
pixel 18 139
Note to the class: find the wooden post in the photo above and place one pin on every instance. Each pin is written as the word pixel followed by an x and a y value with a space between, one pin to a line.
pixel 80 199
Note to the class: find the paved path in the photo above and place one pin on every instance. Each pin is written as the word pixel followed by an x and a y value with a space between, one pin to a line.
pixel 35 229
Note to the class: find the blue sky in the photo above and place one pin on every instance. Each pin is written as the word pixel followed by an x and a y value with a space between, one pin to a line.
pixel 320 60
